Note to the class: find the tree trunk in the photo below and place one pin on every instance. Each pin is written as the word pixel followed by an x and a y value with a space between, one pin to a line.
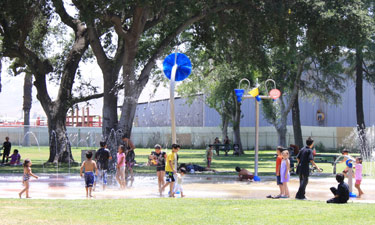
pixel 224 128
pixel 128 109
pixel 110 117
pixel 27 101
pixel 281 133
pixel 236 126
pixel 361 127
pixel 298 140
pixel 60 149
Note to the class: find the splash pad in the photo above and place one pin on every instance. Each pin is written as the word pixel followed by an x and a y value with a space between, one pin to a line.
pixel 64 186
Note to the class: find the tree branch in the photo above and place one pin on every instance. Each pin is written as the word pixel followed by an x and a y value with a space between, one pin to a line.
pixel 167 40
pixel 65 17
pixel 97 48
pixel 116 20
pixel 76 100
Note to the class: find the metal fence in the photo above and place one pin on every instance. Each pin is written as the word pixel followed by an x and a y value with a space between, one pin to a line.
pixel 188 137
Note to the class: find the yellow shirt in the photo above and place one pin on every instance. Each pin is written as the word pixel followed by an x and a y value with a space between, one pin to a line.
pixel 171 157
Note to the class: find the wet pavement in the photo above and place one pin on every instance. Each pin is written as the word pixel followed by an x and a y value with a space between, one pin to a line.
pixel 64 186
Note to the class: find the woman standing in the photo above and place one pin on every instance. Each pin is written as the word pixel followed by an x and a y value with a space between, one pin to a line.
pixel 157 158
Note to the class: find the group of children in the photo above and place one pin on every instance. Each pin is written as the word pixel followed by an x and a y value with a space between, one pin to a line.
pixel 282 172
pixel 125 160
pixel 341 193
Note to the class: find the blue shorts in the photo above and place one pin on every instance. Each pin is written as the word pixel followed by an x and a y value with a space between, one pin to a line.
pixel 278 180
pixel 89 178
pixel 103 176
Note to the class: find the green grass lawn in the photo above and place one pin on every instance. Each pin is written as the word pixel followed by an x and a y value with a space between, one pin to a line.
pixel 182 211
pixel 223 164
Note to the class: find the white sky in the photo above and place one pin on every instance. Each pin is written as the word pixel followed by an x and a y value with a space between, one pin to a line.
pixel 11 97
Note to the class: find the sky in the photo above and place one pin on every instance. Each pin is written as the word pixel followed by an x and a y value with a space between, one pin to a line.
pixel 11 96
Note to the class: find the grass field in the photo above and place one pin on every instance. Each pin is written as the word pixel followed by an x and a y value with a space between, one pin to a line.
pixel 182 211
pixel 223 164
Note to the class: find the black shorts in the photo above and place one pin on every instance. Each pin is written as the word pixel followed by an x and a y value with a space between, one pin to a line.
pixel 162 168
pixel 278 180
pixel 169 177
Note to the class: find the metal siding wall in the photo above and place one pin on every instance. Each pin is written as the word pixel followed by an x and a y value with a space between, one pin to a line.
pixel 343 115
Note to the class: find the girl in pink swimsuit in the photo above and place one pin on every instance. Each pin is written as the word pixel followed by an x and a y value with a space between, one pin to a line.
pixel 358 175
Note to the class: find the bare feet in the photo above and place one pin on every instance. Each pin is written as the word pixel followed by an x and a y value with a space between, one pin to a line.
pixel 19 194
pixel 28 197
pixel 183 196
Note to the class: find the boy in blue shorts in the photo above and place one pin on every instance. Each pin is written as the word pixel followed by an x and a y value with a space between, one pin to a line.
pixel 89 165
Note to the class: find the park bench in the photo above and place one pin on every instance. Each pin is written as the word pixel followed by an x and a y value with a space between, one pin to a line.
pixel 222 147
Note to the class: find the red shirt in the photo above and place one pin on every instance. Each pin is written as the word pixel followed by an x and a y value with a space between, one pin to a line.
pixel 278 164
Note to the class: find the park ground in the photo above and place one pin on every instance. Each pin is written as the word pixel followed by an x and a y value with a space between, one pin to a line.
pixel 212 198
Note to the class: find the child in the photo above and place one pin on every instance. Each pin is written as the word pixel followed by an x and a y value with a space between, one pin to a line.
pixel 15 158
pixel 120 173
pixel 279 159
pixel 26 177
pixel 158 158
pixel 89 165
pixel 209 155
pixel 284 174
pixel 342 191
pixel 178 185
pixel 170 170
pixel 358 175
pixel 244 174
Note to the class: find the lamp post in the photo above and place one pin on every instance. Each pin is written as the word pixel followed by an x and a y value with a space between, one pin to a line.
pixel 254 93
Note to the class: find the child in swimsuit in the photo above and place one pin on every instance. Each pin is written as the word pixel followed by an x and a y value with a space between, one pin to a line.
pixel 89 165
pixel 26 177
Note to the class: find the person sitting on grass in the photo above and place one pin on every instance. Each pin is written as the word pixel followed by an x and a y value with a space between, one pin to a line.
pixel 89 165
pixel 244 174
pixel 342 192
pixel 15 158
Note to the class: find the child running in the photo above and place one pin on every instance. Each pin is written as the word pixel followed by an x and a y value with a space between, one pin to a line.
pixel 358 175
pixel 284 174
pixel 89 165
pixel 178 186
pixel 120 173
pixel 26 177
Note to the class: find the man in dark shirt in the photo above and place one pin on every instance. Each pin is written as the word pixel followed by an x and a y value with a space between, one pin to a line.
pixel 6 149
pixel 342 192
pixel 102 157
pixel 304 158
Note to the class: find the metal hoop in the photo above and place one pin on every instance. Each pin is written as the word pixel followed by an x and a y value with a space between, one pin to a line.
pixel 265 84
pixel 244 79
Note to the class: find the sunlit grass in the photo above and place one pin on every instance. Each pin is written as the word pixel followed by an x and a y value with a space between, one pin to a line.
pixel 183 211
